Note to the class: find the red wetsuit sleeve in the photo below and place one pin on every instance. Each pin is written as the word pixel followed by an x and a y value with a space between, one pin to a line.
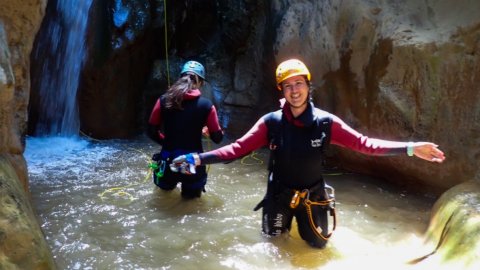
pixel 255 138
pixel 155 115
pixel 156 119
pixel 214 129
pixel 212 121
pixel 345 136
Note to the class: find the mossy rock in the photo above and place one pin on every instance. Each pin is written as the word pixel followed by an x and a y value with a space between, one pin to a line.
pixel 454 227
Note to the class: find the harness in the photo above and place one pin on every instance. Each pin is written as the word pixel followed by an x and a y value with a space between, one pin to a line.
pixel 329 204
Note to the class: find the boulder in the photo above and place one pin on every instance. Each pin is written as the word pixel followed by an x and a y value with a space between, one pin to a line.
pixel 454 229
pixel 22 243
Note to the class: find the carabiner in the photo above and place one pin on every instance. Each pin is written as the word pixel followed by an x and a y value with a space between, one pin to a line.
pixel 161 169
pixel 295 200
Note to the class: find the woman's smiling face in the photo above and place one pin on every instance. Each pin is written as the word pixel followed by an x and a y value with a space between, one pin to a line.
pixel 296 91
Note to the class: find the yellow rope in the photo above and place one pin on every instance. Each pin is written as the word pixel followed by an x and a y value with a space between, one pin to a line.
pixel 304 195
pixel 166 41
pixel 308 205
pixel 120 191
pixel 209 147
pixel 252 156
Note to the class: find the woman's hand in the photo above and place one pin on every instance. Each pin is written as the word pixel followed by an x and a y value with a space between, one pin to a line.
pixel 428 151
pixel 205 132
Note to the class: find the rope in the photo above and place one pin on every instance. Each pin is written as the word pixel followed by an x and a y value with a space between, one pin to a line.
pixel 209 146
pixel 166 41
pixel 305 195
pixel 120 191
pixel 308 205
pixel 252 156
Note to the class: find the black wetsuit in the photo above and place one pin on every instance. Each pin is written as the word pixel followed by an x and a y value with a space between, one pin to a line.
pixel 301 148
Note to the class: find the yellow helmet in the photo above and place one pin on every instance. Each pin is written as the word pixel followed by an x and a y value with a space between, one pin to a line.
pixel 290 68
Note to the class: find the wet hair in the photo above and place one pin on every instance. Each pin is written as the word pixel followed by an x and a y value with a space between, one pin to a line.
pixel 174 95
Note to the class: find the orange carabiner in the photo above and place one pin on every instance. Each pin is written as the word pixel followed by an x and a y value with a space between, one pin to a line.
pixel 295 200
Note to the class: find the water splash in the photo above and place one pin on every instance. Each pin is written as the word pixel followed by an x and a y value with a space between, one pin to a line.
pixel 61 48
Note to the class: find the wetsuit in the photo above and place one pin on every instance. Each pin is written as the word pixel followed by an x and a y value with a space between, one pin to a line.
pixel 298 145
pixel 183 134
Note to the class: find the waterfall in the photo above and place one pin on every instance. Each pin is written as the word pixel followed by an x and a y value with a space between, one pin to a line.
pixel 61 53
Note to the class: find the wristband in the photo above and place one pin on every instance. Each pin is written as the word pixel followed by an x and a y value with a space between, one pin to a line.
pixel 193 159
pixel 190 159
pixel 410 149
pixel 197 160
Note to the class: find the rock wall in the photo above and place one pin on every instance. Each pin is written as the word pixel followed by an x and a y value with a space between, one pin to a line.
pixel 22 244
pixel 120 48
pixel 116 93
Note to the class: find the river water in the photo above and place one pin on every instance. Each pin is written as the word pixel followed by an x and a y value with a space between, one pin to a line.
pixel 99 209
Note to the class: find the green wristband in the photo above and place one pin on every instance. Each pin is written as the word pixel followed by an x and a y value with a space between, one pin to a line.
pixel 410 149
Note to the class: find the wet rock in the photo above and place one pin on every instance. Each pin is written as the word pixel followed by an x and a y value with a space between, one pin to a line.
pixel 454 229
pixel 22 243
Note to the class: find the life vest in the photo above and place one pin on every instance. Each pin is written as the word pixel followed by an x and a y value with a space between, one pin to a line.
pixel 183 128
pixel 297 153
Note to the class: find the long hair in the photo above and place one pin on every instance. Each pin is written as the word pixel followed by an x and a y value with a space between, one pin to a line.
pixel 174 95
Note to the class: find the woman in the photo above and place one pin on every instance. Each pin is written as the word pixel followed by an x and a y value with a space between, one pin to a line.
pixel 183 113
pixel 297 135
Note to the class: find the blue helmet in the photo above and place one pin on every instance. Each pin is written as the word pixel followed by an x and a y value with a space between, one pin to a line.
pixel 194 67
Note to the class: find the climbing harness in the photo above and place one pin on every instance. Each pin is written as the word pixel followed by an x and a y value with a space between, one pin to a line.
pixel 329 203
